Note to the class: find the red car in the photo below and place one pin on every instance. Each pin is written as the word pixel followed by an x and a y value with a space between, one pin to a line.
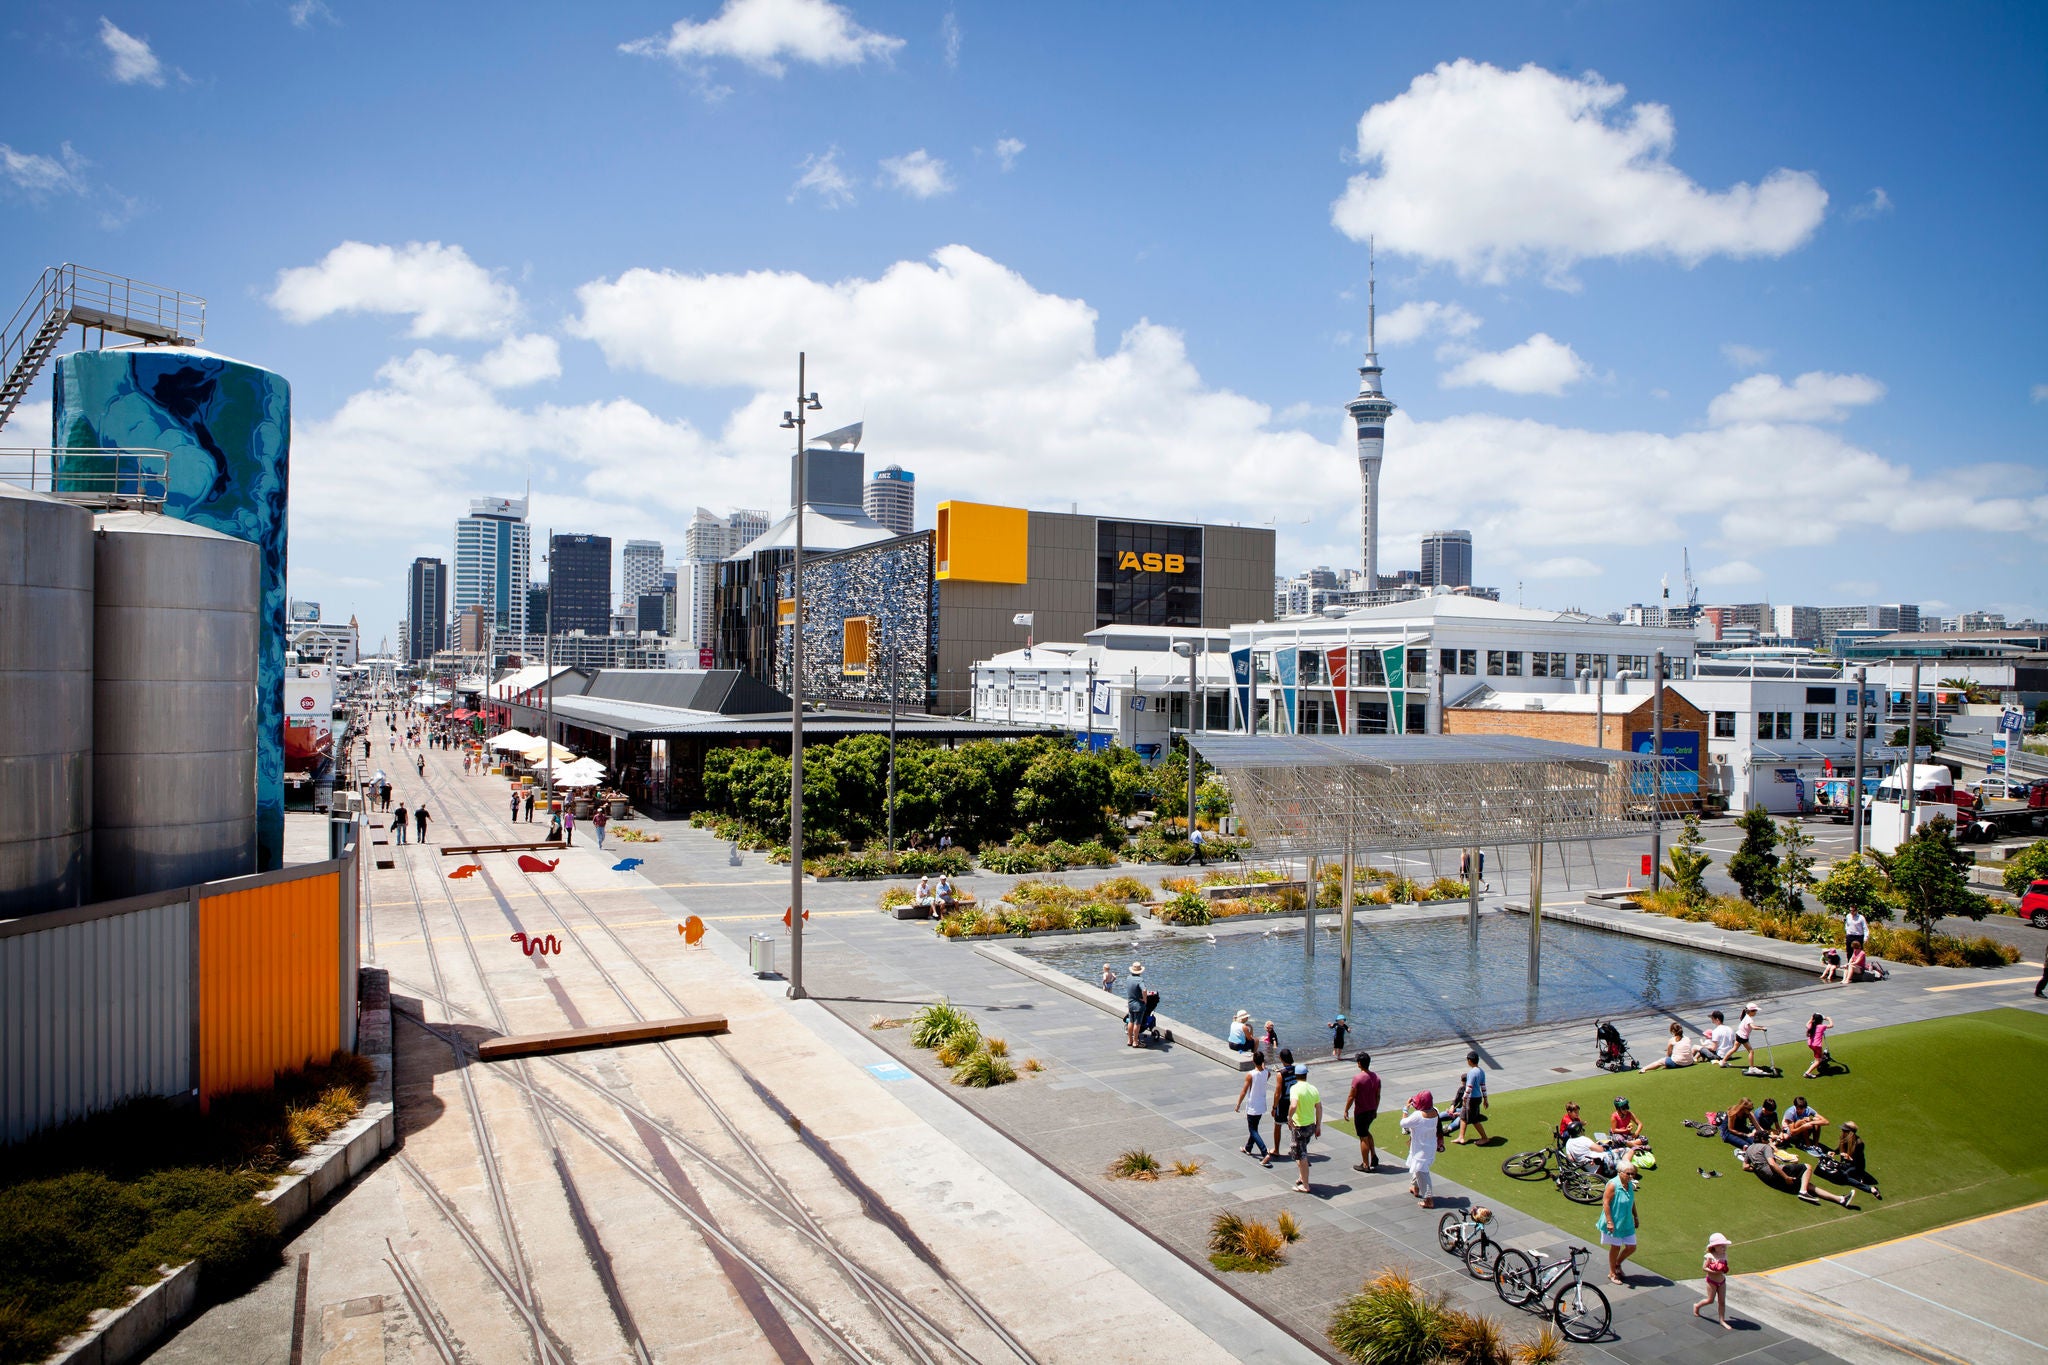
pixel 2034 905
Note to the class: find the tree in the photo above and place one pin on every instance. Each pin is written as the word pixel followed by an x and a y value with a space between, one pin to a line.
pixel 2027 866
pixel 1065 795
pixel 1929 740
pixel 1856 883
pixel 1686 867
pixel 1795 868
pixel 1928 875
pixel 1754 867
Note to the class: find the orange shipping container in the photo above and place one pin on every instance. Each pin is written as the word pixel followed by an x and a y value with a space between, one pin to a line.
pixel 269 981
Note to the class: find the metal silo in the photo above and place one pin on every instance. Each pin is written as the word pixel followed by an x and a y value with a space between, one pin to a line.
pixel 175 639
pixel 46 576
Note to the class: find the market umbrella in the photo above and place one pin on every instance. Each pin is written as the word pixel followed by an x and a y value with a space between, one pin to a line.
pixel 537 752
pixel 514 739
pixel 571 777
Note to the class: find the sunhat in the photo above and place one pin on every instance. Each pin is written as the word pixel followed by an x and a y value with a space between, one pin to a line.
pixel 1715 1239
pixel 1340 1018
pixel 1137 969
pixel 1244 1014
pixel 1749 1008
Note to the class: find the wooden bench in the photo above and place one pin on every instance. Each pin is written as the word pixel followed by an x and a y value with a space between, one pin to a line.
pixel 605 1035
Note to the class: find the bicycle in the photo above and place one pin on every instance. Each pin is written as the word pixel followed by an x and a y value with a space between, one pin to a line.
pixel 1463 1235
pixel 1575 1182
pixel 1579 1309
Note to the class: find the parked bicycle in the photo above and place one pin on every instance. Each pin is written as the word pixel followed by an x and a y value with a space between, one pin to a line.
pixel 1574 1180
pixel 1463 1234
pixel 1579 1309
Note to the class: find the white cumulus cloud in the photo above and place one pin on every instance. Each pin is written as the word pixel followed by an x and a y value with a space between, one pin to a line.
pixel 1421 318
pixel 1008 150
pixel 1542 364
pixel 766 34
pixel 821 175
pixel 918 174
pixel 1733 574
pixel 1815 396
pixel 1491 171
pixel 129 59
pixel 439 286
pixel 38 176
pixel 1745 357
pixel 519 360
pixel 1564 566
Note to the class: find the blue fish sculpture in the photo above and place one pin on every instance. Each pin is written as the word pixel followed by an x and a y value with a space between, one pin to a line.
pixel 626 864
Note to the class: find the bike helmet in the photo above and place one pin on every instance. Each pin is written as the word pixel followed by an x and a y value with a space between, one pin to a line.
pixel 1574 1129
pixel 1621 1101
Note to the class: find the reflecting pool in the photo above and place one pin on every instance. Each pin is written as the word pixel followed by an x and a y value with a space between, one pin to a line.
pixel 1417 981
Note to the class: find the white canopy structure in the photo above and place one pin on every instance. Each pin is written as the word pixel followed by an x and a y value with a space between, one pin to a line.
pixel 577 777
pixel 513 740
pixel 536 751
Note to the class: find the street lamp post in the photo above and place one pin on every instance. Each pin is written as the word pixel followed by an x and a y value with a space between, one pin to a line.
pixel 1657 775
pixel 1862 724
pixel 1187 651
pixel 794 421
pixel 892 746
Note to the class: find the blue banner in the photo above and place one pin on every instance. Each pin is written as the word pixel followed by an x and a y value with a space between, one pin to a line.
pixel 1241 676
pixel 1287 661
pixel 1681 777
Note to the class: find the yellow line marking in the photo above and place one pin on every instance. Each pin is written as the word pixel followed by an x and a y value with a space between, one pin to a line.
pixel 2009 1269
pixel 1908 1237
pixel 1980 985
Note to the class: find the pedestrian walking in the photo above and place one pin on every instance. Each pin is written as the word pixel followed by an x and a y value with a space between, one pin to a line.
pixel 1425 1137
pixel 1195 841
pixel 1471 1114
pixel 1714 1265
pixel 1283 1091
pixel 2042 984
pixel 1617 1221
pixel 1362 1106
pixel 1473 874
pixel 398 822
pixel 1251 1102
pixel 554 825
pixel 419 764
pixel 515 805
pixel 599 820
pixel 1855 931
pixel 568 823
pixel 419 820
pixel 1307 1123
pixel 529 805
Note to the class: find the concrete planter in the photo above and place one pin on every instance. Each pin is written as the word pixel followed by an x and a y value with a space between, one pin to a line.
pixel 122 1334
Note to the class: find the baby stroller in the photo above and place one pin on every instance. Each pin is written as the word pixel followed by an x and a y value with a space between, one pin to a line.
pixel 1149 1032
pixel 1612 1052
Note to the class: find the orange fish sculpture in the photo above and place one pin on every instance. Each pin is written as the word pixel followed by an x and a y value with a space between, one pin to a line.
pixel 692 930
pixel 529 863
pixel 466 870
pixel 785 918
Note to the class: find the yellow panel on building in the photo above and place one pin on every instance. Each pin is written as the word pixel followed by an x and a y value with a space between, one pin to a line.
pixel 853 646
pixel 980 543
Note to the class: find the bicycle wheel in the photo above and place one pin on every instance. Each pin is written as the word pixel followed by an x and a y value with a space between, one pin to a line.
pixel 1581 1186
pixel 1580 1311
pixel 1526 1165
pixel 1447 1235
pixel 1482 1255
pixel 1514 1277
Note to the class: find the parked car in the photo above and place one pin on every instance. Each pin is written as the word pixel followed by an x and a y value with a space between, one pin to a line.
pixel 2034 905
pixel 2001 789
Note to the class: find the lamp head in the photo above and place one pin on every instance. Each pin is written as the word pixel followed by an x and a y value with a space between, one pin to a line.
pixel 788 419
pixel 813 404
pixel 1184 649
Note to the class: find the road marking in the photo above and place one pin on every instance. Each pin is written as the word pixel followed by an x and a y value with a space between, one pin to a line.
pixel 2009 1269
pixel 1980 985
pixel 888 1071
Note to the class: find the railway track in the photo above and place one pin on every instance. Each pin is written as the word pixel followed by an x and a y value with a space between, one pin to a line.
pixel 752 1180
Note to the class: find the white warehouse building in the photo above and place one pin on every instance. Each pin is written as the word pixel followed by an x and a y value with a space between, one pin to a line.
pixel 1139 685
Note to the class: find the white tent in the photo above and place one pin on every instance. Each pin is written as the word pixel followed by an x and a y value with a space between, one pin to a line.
pixel 577 777
pixel 536 751
pixel 584 764
pixel 514 740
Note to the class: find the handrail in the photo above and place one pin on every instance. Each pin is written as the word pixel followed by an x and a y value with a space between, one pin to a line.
pixel 172 315
pixel 124 476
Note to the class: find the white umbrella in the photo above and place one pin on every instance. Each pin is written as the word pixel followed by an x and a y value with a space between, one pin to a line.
pixel 513 739
pixel 585 764
pixel 537 752
pixel 570 777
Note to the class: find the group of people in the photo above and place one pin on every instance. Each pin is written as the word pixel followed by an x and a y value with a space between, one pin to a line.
pixel 939 897
pixel 1721 1045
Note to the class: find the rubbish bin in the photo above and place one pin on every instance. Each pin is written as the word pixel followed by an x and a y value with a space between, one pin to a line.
pixel 761 954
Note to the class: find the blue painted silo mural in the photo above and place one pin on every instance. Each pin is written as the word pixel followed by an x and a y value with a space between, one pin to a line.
pixel 228 429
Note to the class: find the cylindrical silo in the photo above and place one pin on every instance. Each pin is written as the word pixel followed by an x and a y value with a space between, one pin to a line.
pixel 175 639
pixel 46 571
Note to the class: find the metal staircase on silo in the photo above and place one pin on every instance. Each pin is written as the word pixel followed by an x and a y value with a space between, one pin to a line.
pixel 69 295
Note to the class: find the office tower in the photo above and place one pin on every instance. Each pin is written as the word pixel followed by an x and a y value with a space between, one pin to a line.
pixel 1447 559
pixel 891 498
pixel 537 607
pixel 493 561
pixel 707 540
pixel 426 609
pixel 640 569
pixel 1370 410
pixel 580 584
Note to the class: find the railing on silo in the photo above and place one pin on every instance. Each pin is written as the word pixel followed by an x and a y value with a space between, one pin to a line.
pixel 134 477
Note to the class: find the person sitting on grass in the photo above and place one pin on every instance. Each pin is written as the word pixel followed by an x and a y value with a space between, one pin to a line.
pixel 1678 1050
pixel 1623 1127
pixel 1794 1177
pixel 1738 1125
pixel 1588 1151
pixel 1803 1123
pixel 1845 1165
pixel 1718 1042
pixel 1769 1125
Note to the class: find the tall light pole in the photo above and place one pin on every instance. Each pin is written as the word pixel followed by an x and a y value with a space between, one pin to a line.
pixel 793 421
pixel 1657 774
pixel 547 668
pixel 1862 724
pixel 892 743
pixel 1186 650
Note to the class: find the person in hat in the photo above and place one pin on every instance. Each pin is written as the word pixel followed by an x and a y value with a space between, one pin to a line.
pixel 1715 1268
pixel 1338 1028
pixel 1419 1122
pixel 1241 1032
pixel 1623 1127
pixel 1134 1009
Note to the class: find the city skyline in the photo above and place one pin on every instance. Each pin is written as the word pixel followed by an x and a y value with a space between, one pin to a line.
pixel 1665 296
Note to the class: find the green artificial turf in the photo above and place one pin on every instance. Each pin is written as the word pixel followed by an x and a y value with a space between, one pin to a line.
pixel 1950 1109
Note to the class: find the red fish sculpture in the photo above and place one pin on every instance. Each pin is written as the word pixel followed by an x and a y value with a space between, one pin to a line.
pixel 538 943
pixel 466 870
pixel 529 863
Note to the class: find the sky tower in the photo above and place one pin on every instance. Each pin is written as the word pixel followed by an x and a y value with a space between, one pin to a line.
pixel 1370 411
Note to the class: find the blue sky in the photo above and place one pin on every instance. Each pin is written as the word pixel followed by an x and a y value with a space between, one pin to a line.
pixel 1649 277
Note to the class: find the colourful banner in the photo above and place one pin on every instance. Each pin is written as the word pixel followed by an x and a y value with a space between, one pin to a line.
pixel 1287 664
pixel 1340 673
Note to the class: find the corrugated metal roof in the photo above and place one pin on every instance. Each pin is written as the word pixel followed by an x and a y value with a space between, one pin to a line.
pixel 638 720
pixel 1394 751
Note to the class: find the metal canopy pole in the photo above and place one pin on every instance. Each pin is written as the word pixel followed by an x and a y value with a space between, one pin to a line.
pixel 1656 777
pixel 1535 910
pixel 1472 896
pixel 892 747
pixel 1909 800
pixel 1315 867
pixel 1862 724
pixel 1344 938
